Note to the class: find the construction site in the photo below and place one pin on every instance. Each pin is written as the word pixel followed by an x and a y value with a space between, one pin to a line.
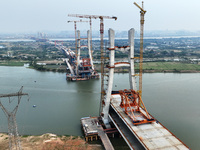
pixel 79 68
pixel 123 112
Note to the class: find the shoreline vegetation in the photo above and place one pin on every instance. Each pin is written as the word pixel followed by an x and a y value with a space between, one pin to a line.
pixel 148 67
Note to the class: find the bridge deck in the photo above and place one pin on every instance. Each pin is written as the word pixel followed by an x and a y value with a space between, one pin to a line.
pixel 130 139
pixel 104 138
pixel 152 136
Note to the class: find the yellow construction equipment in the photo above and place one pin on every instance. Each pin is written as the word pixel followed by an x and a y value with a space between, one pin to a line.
pixel 142 13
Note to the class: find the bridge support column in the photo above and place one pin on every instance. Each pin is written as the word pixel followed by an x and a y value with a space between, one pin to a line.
pixel 89 48
pixel 79 51
pixel 132 79
pixel 111 33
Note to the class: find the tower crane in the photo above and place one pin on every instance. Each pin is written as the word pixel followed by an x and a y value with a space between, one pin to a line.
pixel 75 29
pixel 102 50
pixel 142 13
pixel 76 15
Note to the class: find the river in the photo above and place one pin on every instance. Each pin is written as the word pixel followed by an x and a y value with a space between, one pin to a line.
pixel 172 98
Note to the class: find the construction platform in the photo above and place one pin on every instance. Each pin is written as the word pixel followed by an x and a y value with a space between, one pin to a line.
pixel 151 136
pixel 70 77
pixel 93 131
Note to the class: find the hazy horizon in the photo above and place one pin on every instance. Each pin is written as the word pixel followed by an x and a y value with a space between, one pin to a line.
pixel 36 15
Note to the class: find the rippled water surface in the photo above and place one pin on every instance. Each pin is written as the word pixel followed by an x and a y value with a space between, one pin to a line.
pixel 173 99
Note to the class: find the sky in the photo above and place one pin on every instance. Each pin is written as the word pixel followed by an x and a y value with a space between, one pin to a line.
pixel 52 15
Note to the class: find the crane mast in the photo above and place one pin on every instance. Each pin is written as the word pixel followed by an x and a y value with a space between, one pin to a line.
pixel 101 47
pixel 142 13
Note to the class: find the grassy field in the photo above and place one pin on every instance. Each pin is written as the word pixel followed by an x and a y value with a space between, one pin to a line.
pixel 12 63
pixel 169 66
pixel 161 67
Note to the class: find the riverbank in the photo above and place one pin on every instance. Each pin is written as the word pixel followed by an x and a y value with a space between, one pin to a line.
pixel 13 62
pixel 50 142
pixel 148 67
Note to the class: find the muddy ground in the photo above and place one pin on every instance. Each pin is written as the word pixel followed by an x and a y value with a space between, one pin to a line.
pixel 49 142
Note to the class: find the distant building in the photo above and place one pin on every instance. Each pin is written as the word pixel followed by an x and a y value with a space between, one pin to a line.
pixel 176 59
pixel 152 47
pixel 41 64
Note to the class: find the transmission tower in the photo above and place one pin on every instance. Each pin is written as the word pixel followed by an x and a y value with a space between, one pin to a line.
pixel 14 141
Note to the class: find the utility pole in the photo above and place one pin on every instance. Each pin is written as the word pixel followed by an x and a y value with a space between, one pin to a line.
pixel 14 141
pixel 102 49
pixel 142 13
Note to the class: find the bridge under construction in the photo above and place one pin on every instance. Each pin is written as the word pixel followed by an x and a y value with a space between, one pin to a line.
pixel 123 111
pixel 79 68
pixel 126 111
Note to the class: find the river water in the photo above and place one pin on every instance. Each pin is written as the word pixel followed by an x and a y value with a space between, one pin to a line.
pixel 173 99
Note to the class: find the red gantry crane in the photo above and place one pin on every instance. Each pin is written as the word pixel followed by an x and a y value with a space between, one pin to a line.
pixel 102 50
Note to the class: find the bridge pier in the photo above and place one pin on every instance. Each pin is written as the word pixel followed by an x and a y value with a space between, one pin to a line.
pixel 89 49
pixel 131 60
pixel 111 34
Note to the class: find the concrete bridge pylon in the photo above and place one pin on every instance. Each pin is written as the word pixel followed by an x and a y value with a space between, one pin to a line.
pixel 112 65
